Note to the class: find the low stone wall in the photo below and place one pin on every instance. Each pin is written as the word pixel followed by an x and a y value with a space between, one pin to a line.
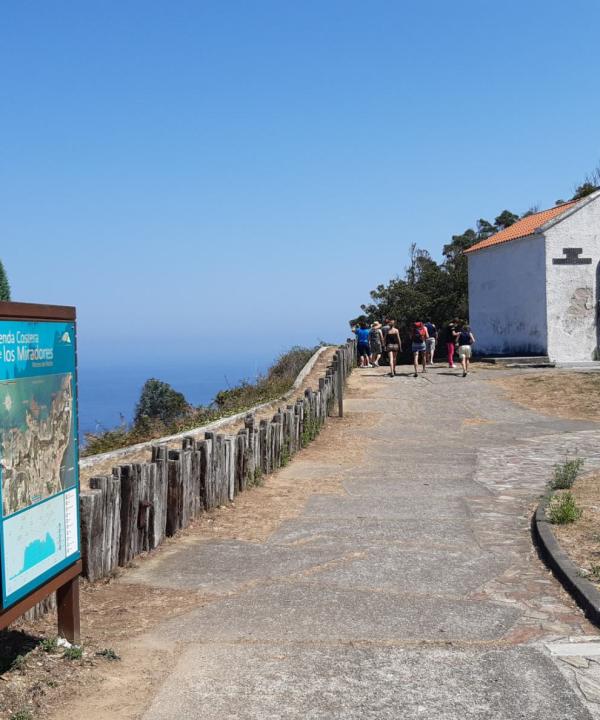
pixel 124 454
pixel 136 507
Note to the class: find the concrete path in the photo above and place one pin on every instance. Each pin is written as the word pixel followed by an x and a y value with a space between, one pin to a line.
pixel 412 591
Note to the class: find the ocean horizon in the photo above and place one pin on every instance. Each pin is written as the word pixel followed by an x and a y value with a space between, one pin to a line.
pixel 108 394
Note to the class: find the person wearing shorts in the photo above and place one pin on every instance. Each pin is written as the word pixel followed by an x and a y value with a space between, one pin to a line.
pixel 419 345
pixel 431 341
pixel 363 348
pixel 465 344
pixel 393 345
pixel 376 343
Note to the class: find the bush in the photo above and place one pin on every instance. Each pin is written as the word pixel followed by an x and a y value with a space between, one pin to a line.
pixel 563 509
pixel 49 645
pixel 158 401
pixel 566 473
pixel 108 654
pixel 73 653
pixel 22 715
pixel 279 379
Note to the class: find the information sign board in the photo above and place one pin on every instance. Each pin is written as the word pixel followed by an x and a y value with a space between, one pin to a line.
pixel 39 466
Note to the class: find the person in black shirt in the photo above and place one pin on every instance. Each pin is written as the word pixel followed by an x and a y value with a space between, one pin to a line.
pixel 450 338
pixel 465 341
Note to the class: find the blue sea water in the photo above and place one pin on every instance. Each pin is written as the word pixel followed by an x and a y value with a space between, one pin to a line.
pixel 108 394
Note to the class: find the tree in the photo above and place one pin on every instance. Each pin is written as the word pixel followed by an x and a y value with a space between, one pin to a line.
pixel 505 219
pixel 590 184
pixel 4 285
pixel 432 291
pixel 532 210
pixel 583 190
pixel 159 401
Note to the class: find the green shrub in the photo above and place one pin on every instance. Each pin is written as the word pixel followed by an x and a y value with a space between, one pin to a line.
pixel 566 473
pixel 73 653
pixel 256 477
pixel 108 654
pixel 285 454
pixel 310 430
pixel 18 663
pixel 595 573
pixel 159 401
pixel 49 645
pixel 563 509
pixel 22 715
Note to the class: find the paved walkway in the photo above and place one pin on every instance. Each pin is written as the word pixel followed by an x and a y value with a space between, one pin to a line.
pixel 412 592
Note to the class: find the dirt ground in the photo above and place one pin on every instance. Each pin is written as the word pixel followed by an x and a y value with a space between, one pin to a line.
pixel 565 394
pixel 581 539
pixel 573 396
pixel 114 612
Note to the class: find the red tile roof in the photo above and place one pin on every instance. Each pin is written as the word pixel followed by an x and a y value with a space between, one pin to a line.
pixel 524 227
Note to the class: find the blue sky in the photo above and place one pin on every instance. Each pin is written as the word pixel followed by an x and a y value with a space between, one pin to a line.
pixel 208 177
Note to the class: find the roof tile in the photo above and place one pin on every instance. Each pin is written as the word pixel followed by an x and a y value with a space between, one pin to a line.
pixel 522 228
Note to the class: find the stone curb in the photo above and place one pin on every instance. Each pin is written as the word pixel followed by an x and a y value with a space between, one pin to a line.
pixel 584 593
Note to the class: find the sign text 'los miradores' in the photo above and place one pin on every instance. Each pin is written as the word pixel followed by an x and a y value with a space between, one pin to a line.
pixel 17 347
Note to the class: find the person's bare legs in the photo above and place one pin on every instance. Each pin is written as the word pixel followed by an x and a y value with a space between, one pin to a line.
pixel 416 362
pixel 464 361
pixel 424 360
pixel 375 359
pixel 392 355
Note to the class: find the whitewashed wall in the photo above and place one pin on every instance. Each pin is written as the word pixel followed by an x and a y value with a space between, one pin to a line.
pixel 571 290
pixel 507 297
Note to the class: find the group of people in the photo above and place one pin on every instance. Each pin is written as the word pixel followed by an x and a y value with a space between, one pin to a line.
pixel 377 339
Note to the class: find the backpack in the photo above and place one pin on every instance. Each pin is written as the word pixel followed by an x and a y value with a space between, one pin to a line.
pixel 418 334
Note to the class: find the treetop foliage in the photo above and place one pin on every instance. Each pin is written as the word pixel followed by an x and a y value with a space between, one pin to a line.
pixel 159 401
pixel 4 284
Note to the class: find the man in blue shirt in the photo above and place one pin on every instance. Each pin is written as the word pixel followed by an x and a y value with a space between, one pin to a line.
pixel 363 347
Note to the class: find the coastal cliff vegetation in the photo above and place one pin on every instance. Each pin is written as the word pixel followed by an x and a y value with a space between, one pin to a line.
pixel 163 411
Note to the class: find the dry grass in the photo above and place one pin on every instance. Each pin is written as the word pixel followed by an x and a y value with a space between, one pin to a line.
pixel 581 539
pixel 569 395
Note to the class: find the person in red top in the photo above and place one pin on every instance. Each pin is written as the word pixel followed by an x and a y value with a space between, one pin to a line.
pixel 419 337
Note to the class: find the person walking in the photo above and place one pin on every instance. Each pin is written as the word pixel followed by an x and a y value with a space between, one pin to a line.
pixel 393 345
pixel 363 349
pixel 419 345
pixel 375 343
pixel 465 343
pixel 450 338
pixel 431 341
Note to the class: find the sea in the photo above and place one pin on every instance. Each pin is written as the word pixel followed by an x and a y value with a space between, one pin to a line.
pixel 108 394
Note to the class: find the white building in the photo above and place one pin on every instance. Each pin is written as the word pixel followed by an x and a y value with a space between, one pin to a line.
pixel 533 287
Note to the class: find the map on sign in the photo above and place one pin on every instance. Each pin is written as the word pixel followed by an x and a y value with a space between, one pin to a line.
pixel 36 429
pixel 38 453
